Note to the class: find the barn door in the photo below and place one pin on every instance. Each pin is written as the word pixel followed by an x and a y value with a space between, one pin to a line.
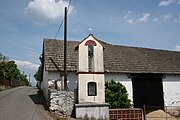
pixel 148 90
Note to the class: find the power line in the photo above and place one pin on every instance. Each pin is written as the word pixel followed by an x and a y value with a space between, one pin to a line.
pixel 62 21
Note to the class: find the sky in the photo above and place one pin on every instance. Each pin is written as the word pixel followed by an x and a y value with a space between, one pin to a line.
pixel 140 23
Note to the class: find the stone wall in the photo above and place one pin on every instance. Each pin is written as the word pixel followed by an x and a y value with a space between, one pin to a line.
pixel 61 101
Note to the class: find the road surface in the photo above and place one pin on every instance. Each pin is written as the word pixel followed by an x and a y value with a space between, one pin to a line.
pixel 22 103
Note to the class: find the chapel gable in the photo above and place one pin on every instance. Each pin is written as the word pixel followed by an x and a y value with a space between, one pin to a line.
pixel 90 55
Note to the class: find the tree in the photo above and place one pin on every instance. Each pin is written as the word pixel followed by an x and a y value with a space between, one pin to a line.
pixel 116 95
pixel 3 58
pixel 37 75
pixel 10 71
pixel 24 80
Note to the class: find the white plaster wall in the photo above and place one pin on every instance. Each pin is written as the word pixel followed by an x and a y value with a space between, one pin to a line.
pixel 171 85
pixel 54 75
pixel 122 78
pixel 71 77
pixel 92 111
pixel 83 88
pixel 48 76
pixel 83 58
pixel 98 58
pixel 72 80
pixel 171 89
pixel 44 83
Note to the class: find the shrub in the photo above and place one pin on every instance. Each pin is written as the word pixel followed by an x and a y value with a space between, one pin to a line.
pixel 116 95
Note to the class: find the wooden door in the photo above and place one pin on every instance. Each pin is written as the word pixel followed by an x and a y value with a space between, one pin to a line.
pixel 148 91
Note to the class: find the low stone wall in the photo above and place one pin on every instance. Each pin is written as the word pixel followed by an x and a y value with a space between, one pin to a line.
pixel 61 101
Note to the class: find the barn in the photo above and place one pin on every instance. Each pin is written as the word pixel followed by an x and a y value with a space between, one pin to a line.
pixel 151 76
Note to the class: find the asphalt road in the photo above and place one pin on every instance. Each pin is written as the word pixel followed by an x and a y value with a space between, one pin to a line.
pixel 22 103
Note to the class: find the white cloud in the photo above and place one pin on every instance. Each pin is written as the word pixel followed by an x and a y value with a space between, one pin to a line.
pixel 162 18
pixel 46 11
pixel 144 18
pixel 166 2
pixel 28 68
pixel 177 47
pixel 156 20
pixel 26 65
pixel 130 21
pixel 127 15
pixel 166 16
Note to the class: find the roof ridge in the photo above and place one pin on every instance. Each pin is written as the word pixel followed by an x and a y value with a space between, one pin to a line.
pixel 106 43
pixel 156 49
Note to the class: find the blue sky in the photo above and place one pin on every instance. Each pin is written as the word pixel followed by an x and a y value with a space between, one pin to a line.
pixel 141 23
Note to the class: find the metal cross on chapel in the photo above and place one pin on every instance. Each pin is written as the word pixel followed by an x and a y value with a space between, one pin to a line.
pixel 90 30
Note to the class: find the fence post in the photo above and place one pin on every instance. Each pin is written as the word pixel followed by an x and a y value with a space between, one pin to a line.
pixel 144 111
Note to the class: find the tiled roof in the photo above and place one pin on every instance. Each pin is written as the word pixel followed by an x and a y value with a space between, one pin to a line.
pixel 121 59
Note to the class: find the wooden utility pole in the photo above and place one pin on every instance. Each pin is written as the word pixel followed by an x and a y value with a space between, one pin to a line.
pixel 29 79
pixel 65 49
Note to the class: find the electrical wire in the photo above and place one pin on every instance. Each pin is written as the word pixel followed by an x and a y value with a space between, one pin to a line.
pixel 62 21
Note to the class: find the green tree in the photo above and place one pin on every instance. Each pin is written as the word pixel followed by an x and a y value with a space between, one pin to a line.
pixel 14 72
pixel 24 80
pixel 116 95
pixel 10 71
pixel 37 75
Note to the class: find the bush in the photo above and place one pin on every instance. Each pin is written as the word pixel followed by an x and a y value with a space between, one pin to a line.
pixel 116 95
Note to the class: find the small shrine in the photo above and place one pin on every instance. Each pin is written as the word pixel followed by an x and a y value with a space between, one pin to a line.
pixel 90 86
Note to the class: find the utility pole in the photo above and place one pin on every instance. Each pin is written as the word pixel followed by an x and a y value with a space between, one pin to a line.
pixel 65 49
pixel 29 79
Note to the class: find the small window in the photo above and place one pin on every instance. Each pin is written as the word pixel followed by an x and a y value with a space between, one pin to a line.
pixel 92 90
pixel 90 56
